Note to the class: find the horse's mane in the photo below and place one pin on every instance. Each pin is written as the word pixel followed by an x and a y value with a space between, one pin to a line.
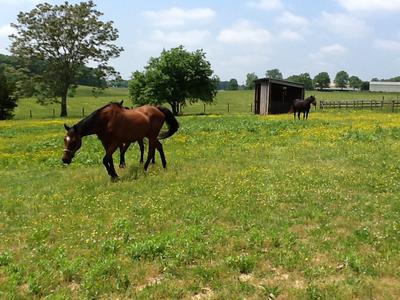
pixel 87 120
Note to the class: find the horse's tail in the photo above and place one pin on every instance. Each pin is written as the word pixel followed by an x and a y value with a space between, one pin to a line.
pixel 172 123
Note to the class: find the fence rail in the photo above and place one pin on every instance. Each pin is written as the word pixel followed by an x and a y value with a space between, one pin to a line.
pixel 359 104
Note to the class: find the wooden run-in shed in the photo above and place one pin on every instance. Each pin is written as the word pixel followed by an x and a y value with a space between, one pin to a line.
pixel 273 96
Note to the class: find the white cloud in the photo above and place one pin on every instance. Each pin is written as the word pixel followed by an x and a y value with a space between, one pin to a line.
pixel 387 44
pixel 344 25
pixel 176 16
pixel 6 30
pixel 370 5
pixel 290 35
pixel 244 32
pixel 266 4
pixel 328 51
pixel 158 39
pixel 335 49
pixel 292 20
pixel 175 38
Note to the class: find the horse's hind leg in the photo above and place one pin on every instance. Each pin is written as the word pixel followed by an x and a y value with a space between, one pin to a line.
pixel 298 115
pixel 122 149
pixel 150 154
pixel 141 146
pixel 161 151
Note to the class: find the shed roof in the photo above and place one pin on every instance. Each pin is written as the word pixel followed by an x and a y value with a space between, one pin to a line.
pixel 280 82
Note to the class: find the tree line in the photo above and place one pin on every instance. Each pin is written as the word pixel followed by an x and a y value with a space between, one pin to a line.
pixel 320 81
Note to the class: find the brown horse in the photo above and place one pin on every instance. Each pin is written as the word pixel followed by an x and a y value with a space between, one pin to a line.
pixel 114 126
pixel 124 147
pixel 303 106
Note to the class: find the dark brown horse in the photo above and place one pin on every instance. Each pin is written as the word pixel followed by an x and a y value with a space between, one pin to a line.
pixel 300 105
pixel 114 126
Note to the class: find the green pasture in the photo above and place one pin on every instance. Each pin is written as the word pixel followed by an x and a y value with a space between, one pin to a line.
pixel 249 207
pixel 240 102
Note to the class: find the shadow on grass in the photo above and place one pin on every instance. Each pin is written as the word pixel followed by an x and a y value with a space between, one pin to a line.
pixel 199 114
pixel 133 173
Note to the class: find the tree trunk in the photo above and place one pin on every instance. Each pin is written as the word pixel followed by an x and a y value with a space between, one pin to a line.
pixel 175 107
pixel 64 104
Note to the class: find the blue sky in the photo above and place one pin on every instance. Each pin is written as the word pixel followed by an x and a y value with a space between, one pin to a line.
pixel 239 37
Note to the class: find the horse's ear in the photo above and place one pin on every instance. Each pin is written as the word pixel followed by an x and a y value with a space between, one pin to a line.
pixel 122 101
pixel 66 127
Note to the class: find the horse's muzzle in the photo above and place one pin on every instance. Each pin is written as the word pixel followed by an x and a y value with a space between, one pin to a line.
pixel 66 161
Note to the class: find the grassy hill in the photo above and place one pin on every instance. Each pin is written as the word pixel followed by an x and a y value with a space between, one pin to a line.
pixel 239 102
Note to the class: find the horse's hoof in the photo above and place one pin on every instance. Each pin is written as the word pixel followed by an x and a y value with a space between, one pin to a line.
pixel 114 178
pixel 122 166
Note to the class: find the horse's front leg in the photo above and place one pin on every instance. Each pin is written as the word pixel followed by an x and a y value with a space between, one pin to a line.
pixel 298 114
pixel 108 160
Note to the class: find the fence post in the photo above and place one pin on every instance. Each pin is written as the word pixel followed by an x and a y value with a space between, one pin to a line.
pixel 354 104
pixel 30 113
pixel 320 105
pixel 204 108
pixel 371 105
pixel 228 107
pixel 83 111
pixel 393 106
pixel 251 107
pixel 54 112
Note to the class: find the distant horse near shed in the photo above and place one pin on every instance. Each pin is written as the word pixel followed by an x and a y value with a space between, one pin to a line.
pixel 303 106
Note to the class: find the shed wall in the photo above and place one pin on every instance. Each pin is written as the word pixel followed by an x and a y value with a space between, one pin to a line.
pixel 384 87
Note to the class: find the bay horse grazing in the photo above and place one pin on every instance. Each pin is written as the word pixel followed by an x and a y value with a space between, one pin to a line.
pixel 303 106
pixel 114 126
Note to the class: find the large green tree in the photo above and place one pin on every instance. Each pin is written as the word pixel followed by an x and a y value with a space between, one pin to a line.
pixel 250 78
pixel 64 37
pixel 7 98
pixel 322 80
pixel 303 78
pixel 176 77
pixel 233 85
pixel 274 74
pixel 355 82
pixel 341 79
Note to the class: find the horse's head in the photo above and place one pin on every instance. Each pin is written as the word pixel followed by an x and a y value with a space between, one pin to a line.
pixel 312 100
pixel 72 143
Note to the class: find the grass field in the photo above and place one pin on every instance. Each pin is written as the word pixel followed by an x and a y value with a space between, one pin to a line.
pixel 240 102
pixel 249 207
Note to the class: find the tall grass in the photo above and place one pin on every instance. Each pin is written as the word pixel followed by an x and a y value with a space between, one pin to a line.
pixel 249 207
